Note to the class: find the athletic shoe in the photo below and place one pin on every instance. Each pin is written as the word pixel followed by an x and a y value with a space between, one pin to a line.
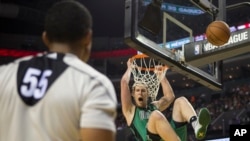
pixel 202 123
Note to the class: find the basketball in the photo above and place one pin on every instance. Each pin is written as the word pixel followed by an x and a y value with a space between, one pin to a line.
pixel 218 33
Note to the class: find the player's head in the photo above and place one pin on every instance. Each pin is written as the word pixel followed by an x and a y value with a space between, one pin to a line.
pixel 140 94
pixel 69 22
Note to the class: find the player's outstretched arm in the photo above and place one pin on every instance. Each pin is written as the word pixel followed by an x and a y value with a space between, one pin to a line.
pixel 168 93
pixel 126 100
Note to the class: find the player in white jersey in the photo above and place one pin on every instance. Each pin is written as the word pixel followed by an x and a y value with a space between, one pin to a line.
pixel 57 96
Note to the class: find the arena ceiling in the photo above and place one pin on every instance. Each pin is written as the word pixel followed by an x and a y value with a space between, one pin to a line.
pixel 108 15
pixel 26 17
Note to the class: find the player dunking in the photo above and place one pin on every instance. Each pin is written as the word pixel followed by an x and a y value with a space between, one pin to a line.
pixel 56 96
pixel 148 123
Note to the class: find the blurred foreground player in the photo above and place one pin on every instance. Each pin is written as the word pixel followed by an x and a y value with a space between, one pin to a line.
pixel 56 96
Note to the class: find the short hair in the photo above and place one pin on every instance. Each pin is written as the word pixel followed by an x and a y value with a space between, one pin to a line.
pixel 67 21
pixel 139 83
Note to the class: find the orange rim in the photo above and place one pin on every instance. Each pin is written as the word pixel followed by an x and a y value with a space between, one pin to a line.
pixel 139 56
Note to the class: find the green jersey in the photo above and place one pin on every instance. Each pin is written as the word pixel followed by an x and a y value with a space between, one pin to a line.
pixel 139 125
pixel 139 122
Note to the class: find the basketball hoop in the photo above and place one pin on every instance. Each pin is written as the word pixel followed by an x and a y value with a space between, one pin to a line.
pixel 148 71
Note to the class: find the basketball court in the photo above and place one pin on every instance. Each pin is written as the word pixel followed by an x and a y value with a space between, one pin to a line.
pixel 150 29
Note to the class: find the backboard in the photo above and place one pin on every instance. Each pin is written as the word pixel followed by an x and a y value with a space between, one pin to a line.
pixel 182 25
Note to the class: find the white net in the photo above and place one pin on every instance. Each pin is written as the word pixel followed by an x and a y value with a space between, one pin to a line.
pixel 148 71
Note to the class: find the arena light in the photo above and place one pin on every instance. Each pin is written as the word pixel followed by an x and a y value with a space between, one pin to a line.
pixel 240 27
pixel 152 19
